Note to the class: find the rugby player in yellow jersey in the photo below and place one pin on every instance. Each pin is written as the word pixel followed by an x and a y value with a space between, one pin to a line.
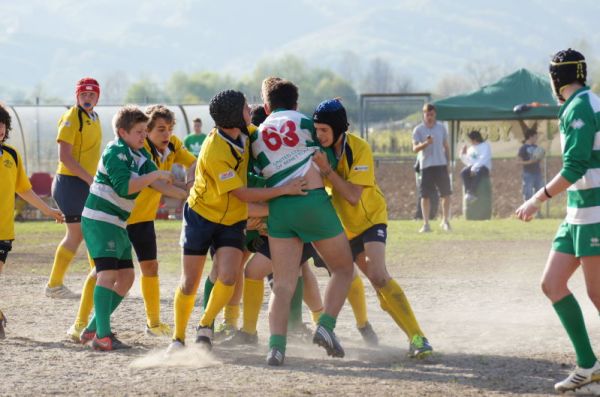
pixel 79 140
pixel 166 149
pixel 361 206
pixel 14 180
pixel 216 213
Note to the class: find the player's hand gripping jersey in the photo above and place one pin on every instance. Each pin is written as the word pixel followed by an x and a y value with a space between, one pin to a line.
pixel 283 146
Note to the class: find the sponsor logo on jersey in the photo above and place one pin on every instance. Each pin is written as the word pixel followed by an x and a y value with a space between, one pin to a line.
pixel 577 124
pixel 122 156
pixel 361 168
pixel 8 163
pixel 227 175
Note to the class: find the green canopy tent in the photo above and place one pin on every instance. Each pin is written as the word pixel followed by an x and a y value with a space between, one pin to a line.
pixel 522 95
pixel 497 101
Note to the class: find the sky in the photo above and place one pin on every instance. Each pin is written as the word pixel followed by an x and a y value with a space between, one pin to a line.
pixel 48 45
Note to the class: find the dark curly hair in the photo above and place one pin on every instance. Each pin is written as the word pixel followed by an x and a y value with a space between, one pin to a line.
pixel 5 119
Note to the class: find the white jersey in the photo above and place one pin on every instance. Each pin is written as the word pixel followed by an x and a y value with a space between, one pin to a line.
pixel 283 146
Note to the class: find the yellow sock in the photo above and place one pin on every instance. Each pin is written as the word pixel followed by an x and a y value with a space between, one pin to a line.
pixel 356 297
pixel 253 298
pixel 151 294
pixel 62 260
pixel 398 307
pixel 231 314
pixel 316 315
pixel 183 306
pixel 86 304
pixel 219 297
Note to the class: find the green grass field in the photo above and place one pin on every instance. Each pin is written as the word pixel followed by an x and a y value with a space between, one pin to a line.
pixel 36 241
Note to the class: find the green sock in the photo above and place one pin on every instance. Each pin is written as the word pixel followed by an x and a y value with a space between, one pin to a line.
pixel 208 287
pixel 571 317
pixel 295 317
pixel 278 342
pixel 102 307
pixel 116 300
pixel 327 321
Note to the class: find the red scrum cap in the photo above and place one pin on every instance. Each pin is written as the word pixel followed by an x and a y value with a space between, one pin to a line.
pixel 87 84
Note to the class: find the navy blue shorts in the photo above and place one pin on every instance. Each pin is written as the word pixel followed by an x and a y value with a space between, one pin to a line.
pixel 198 234
pixel 5 247
pixel 143 240
pixel 70 193
pixel 433 178
pixel 374 233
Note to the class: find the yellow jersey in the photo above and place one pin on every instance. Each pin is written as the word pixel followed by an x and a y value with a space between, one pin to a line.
pixel 356 166
pixel 222 167
pixel 84 133
pixel 14 180
pixel 147 202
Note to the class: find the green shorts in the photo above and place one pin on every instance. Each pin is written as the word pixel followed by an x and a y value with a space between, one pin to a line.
pixel 105 240
pixel 577 240
pixel 310 218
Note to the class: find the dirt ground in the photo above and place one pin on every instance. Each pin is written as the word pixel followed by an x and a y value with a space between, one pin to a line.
pixel 479 303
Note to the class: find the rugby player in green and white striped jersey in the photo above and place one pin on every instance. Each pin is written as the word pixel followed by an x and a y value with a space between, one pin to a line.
pixel 125 168
pixel 577 241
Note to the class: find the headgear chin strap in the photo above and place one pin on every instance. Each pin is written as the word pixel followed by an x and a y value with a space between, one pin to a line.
pixel 567 66
pixel 332 113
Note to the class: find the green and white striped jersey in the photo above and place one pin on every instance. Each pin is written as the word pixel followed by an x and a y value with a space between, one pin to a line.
pixel 108 200
pixel 283 146
pixel 579 122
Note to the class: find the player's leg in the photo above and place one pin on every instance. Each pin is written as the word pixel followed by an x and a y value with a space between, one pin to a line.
pixel 231 313
pixel 211 279
pixel 559 269
pixel 70 194
pixel 143 239
pixel 335 251
pixel 285 255
pixel 230 265
pixel 312 294
pixel 257 268
pixel 185 294
pixel 5 247
pixel 65 252
pixel 77 331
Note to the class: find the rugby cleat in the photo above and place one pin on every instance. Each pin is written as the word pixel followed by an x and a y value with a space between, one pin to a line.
pixel 3 322
pixel 223 331
pixel 86 336
pixel 327 339
pixel 204 337
pixel 240 338
pixel 419 347
pixel 578 378
pixel 60 292
pixel 369 335
pixel 275 357
pixel 175 346
pixel 108 343
pixel 301 332
pixel 74 333
pixel 162 329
